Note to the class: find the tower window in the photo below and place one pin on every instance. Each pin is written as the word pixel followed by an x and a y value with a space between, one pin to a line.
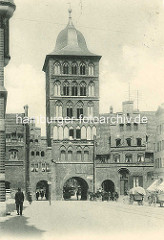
pixel 66 88
pixel 65 68
pixel 37 153
pixel 57 68
pixel 63 155
pixel 32 153
pixel 74 89
pixel 83 89
pixel 121 127
pixel 78 156
pixel 90 109
pixel 140 158
pixel 78 133
pixel 79 113
pixel 74 68
pixel 91 89
pixel 91 69
pixel 57 88
pixel 82 69
pixel 116 158
pixel 69 110
pixel 58 109
pixel 42 154
pixel 71 133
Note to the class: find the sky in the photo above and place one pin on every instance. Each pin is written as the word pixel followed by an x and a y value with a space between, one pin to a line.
pixel 128 34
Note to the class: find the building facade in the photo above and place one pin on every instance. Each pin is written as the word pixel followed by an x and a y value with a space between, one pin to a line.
pixel 159 150
pixel 129 160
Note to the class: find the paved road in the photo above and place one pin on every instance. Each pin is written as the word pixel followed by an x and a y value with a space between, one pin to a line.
pixel 85 220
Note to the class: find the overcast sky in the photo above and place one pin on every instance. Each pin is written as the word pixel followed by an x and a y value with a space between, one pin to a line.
pixel 129 34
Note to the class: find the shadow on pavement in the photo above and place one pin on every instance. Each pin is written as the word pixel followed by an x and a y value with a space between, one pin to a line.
pixel 17 226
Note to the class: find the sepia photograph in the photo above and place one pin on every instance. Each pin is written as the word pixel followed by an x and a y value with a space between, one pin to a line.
pixel 81 119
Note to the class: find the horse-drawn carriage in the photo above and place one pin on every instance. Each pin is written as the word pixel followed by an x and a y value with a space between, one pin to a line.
pixel 137 194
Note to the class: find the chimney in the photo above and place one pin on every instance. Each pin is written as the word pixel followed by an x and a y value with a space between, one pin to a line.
pixel 111 109
pixel 26 110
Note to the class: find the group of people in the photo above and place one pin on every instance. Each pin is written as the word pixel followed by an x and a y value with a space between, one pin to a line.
pixel 41 194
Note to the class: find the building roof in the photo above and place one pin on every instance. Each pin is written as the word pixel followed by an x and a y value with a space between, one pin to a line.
pixel 70 42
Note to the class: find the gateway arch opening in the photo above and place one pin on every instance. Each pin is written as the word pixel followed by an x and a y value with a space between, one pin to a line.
pixel 75 188
pixel 108 186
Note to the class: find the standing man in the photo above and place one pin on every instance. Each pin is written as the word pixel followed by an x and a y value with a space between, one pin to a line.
pixel 19 199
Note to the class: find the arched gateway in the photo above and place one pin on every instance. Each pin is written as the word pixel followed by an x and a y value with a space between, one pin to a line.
pixel 42 189
pixel 108 186
pixel 75 188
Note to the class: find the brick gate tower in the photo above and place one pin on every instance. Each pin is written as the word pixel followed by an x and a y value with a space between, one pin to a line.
pixel 72 93
pixel 7 8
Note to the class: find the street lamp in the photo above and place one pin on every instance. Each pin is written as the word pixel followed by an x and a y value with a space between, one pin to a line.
pixel 7 7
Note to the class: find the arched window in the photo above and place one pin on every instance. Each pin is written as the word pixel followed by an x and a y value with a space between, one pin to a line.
pixel 90 109
pixel 66 132
pixel 57 88
pixel 57 68
pixel 91 69
pixel 118 142
pixel 42 154
pixel 128 158
pixel 32 153
pixel 74 88
pixel 58 109
pixel 66 88
pixel 91 89
pixel 86 156
pixel 70 156
pixel 89 133
pixel 82 69
pixel 60 129
pixel 70 109
pixel 82 89
pixel 36 140
pixel 129 141
pixel 83 133
pixel 65 68
pixel 140 158
pixel 93 132
pixel 128 127
pixel 62 155
pixel 74 68
pixel 37 153
pixel 79 110
pixel 139 142
pixel 79 156
pixel 55 133
pixel 71 133
pixel 78 133
pixel 116 158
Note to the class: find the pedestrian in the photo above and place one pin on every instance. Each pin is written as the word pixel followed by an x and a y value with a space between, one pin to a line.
pixel 37 195
pixel 42 194
pixel 19 199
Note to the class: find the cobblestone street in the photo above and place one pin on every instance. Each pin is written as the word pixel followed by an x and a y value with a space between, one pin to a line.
pixel 84 220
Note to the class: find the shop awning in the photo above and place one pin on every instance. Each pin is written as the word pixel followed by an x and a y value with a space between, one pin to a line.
pixel 154 185
pixel 161 187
